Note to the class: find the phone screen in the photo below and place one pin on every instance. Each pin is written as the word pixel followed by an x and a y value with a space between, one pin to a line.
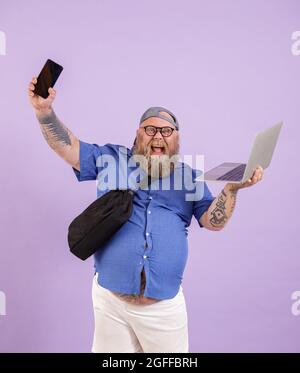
pixel 47 78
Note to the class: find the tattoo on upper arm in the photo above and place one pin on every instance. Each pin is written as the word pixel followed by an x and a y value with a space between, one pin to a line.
pixel 54 131
pixel 218 215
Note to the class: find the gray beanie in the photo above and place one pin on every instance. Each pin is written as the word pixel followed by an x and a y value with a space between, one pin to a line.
pixel 154 111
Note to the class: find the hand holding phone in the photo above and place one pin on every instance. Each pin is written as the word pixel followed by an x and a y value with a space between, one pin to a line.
pixel 47 78
pixel 40 89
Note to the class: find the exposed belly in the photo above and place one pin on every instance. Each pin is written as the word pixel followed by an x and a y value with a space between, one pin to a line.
pixel 138 299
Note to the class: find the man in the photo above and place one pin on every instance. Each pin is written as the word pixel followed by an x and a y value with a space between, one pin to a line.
pixel 138 299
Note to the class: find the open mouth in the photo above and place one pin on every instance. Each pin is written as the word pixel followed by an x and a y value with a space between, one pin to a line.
pixel 157 150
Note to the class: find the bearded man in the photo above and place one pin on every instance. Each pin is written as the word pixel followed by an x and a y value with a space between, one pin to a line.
pixel 138 299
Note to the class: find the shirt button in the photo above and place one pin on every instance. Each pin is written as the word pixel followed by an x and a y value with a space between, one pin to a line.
pixel 145 256
pixel 149 212
pixel 150 197
pixel 147 233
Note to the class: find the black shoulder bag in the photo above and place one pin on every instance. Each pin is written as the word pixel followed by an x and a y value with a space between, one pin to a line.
pixel 90 230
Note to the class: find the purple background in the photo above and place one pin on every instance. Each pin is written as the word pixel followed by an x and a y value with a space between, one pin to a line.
pixel 226 70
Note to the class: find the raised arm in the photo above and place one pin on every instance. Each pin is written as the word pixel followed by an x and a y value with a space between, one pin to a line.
pixel 57 135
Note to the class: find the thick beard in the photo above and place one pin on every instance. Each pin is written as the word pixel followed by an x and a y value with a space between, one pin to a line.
pixel 155 165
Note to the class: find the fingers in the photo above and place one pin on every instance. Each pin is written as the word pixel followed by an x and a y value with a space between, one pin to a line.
pixel 31 86
pixel 248 182
pixel 261 173
pixel 52 92
pixel 257 175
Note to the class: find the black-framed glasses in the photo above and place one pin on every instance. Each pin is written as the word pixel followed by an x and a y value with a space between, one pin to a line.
pixel 165 131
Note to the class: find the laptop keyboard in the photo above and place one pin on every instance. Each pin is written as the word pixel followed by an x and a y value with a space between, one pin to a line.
pixel 234 175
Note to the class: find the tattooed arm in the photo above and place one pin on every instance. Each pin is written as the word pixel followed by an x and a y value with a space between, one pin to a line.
pixel 58 136
pixel 221 209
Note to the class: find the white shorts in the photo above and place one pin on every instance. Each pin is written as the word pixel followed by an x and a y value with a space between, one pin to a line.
pixel 125 327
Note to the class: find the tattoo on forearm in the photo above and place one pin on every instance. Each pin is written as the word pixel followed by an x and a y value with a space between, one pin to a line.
pixel 218 214
pixel 233 197
pixel 54 131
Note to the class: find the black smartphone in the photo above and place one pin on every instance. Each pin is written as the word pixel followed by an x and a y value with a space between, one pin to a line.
pixel 47 78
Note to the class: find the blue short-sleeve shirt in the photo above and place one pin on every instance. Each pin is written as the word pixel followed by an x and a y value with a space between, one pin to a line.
pixel 155 236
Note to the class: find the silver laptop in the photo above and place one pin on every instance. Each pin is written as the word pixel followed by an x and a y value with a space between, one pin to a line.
pixel 261 154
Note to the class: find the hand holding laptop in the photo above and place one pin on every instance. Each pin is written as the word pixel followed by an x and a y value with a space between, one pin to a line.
pixel 243 175
pixel 255 178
